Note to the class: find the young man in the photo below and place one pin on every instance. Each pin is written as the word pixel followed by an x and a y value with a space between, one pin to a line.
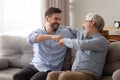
pixel 91 52
pixel 48 55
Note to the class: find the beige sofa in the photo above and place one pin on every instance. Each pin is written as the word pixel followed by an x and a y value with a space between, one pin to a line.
pixel 16 53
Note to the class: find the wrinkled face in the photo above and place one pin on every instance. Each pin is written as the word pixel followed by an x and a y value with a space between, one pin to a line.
pixel 54 21
pixel 88 24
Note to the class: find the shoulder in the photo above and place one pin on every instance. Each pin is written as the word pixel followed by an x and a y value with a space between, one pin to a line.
pixel 63 29
pixel 66 33
pixel 102 40
pixel 69 28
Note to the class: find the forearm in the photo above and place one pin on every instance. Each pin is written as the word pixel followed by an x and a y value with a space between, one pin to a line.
pixel 73 30
pixel 71 43
pixel 37 36
pixel 91 45
pixel 42 37
pixel 74 43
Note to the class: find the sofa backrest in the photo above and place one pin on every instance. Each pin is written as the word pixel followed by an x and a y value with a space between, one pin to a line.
pixel 113 58
pixel 16 49
pixel 20 53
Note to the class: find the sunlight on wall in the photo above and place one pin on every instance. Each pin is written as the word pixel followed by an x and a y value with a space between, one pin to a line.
pixel 20 16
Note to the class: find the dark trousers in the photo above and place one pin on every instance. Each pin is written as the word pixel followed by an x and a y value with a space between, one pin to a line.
pixel 30 73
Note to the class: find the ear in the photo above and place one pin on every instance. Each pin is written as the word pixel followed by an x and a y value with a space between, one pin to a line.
pixel 93 23
pixel 47 18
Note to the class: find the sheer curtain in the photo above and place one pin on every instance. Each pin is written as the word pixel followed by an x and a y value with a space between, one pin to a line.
pixel 43 7
pixel 20 17
pixel 62 4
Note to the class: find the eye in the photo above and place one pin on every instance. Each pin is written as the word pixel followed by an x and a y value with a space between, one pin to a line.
pixel 59 18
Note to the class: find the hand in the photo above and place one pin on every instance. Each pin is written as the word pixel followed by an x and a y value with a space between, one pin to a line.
pixel 56 37
pixel 61 44
pixel 86 33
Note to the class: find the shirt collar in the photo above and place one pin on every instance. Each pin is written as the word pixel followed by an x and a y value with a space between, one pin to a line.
pixel 58 30
pixel 96 35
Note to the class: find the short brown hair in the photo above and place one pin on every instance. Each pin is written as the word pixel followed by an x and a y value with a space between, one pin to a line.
pixel 52 10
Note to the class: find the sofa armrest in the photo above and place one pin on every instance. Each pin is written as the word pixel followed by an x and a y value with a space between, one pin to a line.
pixel 4 63
pixel 116 75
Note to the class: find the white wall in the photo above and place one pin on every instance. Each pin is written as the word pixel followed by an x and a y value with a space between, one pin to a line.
pixel 109 9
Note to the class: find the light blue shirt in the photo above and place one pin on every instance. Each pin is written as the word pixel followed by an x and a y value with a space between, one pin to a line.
pixel 48 55
pixel 91 52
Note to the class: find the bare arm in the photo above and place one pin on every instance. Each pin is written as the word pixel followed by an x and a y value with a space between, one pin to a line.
pixel 41 37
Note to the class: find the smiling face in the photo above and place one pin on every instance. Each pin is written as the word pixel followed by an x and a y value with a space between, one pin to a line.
pixel 88 24
pixel 54 21
pixel 95 22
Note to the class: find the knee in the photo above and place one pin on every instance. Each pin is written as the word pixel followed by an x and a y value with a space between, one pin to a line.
pixel 63 76
pixel 51 76
pixel 17 76
pixel 116 75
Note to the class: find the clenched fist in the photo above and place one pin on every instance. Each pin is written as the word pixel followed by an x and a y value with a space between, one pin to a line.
pixel 61 44
pixel 56 37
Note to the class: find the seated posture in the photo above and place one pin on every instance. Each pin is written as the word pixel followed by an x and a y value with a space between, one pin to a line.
pixel 48 55
pixel 91 52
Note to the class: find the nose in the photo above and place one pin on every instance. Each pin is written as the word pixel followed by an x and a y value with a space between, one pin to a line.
pixel 58 21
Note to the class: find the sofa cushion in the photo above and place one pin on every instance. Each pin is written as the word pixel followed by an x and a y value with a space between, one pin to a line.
pixel 67 61
pixel 7 74
pixel 113 58
pixel 16 49
pixel 106 78
pixel 4 63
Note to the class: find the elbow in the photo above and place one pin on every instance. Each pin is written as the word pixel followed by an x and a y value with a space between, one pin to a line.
pixel 31 40
pixel 82 46
pixel 36 40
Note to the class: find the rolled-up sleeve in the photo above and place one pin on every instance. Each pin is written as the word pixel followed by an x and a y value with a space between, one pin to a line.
pixel 31 37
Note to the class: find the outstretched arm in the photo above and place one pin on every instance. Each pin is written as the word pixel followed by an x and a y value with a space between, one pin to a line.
pixel 42 37
pixel 73 30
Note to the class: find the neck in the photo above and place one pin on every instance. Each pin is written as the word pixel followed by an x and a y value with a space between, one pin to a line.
pixel 49 30
pixel 92 32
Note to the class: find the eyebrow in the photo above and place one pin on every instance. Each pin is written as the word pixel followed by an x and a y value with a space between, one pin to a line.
pixel 88 21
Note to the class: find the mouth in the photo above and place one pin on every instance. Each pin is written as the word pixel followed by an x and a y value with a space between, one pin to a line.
pixel 56 24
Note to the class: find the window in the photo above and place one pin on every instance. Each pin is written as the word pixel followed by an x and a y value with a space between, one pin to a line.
pixel 19 17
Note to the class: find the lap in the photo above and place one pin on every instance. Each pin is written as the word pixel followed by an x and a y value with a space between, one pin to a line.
pixel 30 73
pixel 40 76
pixel 70 75
pixel 75 76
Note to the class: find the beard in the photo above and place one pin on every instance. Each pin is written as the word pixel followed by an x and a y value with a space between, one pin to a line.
pixel 55 26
